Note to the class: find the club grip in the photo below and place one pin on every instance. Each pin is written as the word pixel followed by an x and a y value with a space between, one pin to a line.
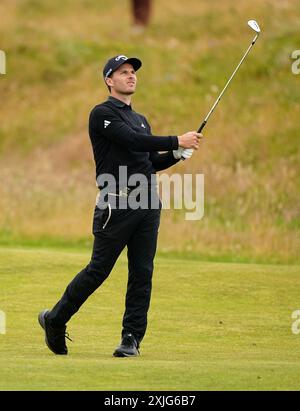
pixel 202 126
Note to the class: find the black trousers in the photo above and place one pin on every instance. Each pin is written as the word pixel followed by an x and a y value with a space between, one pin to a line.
pixel 114 229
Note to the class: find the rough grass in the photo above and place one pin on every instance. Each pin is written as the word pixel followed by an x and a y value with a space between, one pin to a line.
pixel 212 326
pixel 250 157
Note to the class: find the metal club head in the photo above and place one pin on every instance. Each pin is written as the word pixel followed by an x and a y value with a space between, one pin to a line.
pixel 254 25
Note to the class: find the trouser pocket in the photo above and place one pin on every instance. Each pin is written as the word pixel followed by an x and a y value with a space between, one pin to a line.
pixel 102 218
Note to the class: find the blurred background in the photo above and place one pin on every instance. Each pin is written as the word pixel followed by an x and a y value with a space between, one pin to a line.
pixel 55 52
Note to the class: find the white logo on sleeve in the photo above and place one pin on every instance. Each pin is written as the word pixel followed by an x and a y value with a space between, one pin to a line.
pixel 143 125
pixel 106 123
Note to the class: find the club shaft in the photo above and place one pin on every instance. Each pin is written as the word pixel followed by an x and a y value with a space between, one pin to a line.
pixel 226 85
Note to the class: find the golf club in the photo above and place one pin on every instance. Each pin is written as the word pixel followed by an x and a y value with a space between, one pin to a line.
pixel 254 26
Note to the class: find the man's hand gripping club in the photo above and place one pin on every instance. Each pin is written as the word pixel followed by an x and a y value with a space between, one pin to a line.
pixel 187 142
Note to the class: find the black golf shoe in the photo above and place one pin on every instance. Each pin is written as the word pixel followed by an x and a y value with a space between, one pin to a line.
pixel 55 337
pixel 129 347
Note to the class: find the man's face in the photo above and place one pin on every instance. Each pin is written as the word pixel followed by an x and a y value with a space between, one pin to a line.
pixel 123 80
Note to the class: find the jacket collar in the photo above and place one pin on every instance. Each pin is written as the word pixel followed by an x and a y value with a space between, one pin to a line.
pixel 118 103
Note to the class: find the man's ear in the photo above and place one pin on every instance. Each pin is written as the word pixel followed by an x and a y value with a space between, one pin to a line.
pixel 109 81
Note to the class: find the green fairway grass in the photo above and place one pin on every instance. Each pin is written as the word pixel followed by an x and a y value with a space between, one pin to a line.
pixel 212 326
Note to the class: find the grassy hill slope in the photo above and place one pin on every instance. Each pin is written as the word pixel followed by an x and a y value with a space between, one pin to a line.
pixel 250 156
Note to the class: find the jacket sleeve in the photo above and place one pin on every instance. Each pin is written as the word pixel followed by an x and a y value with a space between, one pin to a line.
pixel 105 122
pixel 161 161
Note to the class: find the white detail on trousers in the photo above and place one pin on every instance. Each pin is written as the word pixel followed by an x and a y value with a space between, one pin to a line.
pixel 108 218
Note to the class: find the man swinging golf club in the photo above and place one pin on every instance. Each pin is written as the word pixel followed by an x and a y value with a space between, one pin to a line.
pixel 121 139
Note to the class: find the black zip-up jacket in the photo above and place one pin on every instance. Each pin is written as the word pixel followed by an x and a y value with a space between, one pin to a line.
pixel 122 137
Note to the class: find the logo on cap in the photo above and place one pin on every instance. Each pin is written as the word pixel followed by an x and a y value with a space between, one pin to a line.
pixel 121 57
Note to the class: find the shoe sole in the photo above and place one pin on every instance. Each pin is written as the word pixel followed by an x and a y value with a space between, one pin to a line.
pixel 121 354
pixel 41 319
